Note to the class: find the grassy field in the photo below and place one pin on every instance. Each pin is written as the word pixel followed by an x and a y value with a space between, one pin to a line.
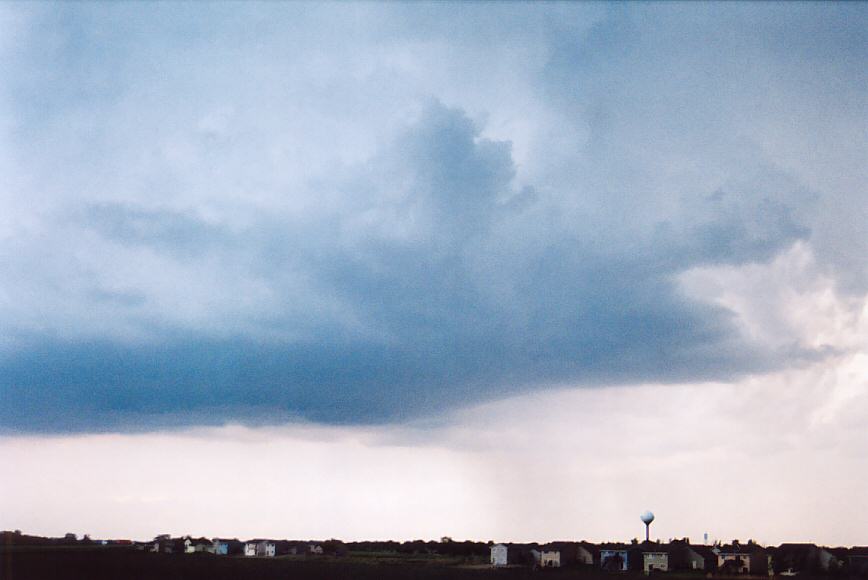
pixel 122 563
pixel 58 563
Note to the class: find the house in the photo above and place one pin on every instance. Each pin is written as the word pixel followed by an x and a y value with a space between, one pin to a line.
pixel 160 542
pixel 656 561
pixel 221 547
pixel 226 547
pixel 266 548
pixel 515 555
pixel 172 546
pixel 261 548
pixel 571 553
pixel 549 557
pixel 203 546
pixel 192 545
pixel 189 545
pixel 795 558
pixel 649 557
pixel 499 555
pixel 736 558
pixel 535 556
pixel 586 553
pixel 614 558
pixel 315 549
pixel 685 556
pixel 282 547
pixel 655 557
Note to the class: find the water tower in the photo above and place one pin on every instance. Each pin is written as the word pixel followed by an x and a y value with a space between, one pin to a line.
pixel 647 518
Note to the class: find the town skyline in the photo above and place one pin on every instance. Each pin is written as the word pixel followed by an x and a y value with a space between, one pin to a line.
pixel 256 538
pixel 748 559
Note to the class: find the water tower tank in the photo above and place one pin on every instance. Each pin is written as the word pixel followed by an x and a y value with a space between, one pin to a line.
pixel 647 518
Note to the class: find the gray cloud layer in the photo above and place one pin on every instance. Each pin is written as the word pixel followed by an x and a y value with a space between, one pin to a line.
pixel 248 220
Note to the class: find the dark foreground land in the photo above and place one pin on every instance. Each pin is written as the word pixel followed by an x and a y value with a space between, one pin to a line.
pixel 58 563
pixel 115 563
pixel 99 563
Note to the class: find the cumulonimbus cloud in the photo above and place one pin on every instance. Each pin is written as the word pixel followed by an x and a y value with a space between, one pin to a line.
pixel 331 248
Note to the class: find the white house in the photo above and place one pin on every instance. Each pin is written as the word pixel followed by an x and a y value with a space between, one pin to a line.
pixel 250 549
pixel 194 545
pixel 655 561
pixel 499 555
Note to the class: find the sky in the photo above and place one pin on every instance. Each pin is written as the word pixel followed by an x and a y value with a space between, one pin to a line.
pixel 493 271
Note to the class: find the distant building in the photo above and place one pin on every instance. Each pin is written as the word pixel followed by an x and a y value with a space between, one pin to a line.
pixel 686 556
pixel 298 549
pixel 655 560
pixel 742 559
pixel 499 555
pixel 585 553
pixel 282 547
pixel 261 548
pixel 614 559
pixel 570 553
pixel 266 548
pixel 795 558
pixel 171 546
pixel 203 546
pixel 227 547
pixel 550 558
pixel 515 555
pixel 221 546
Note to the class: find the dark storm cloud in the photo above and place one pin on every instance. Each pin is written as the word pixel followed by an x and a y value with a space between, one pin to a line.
pixel 462 306
pixel 227 264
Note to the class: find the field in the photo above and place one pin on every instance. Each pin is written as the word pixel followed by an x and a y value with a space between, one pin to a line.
pixel 79 563
pixel 123 563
